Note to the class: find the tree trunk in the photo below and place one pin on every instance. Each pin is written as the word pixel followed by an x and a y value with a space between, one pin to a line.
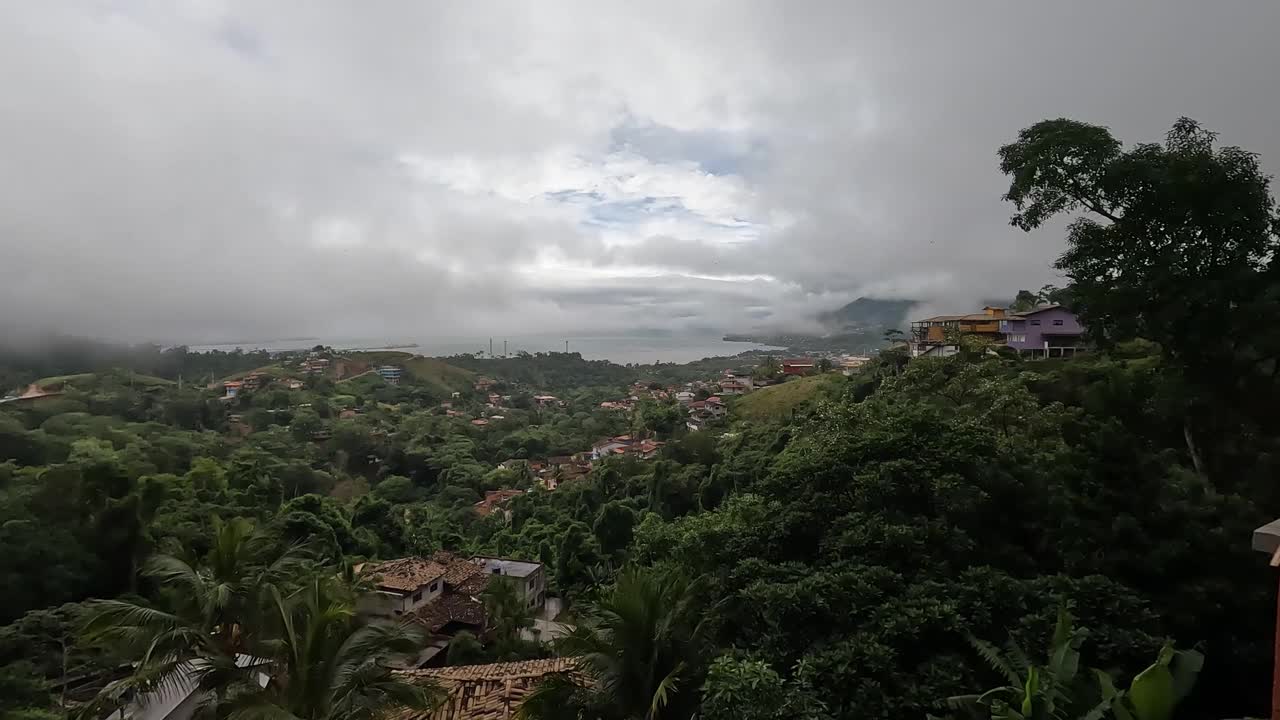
pixel 1191 447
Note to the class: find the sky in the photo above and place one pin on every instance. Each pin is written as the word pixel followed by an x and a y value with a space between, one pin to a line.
pixel 222 171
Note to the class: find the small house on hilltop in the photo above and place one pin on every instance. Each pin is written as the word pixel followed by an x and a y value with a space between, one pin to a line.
pixel 799 366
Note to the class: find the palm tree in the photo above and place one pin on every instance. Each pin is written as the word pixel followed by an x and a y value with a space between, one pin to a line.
pixel 642 653
pixel 1058 690
pixel 507 612
pixel 327 666
pixel 211 613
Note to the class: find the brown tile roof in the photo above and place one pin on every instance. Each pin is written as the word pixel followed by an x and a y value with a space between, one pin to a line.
pixel 483 692
pixel 460 605
pixel 406 574
pixel 456 569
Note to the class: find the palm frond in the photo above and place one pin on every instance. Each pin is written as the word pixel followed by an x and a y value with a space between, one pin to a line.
pixel 173 572
pixel 996 660
pixel 160 678
pixel 662 694
pixel 555 697
pixel 362 648
pixel 969 705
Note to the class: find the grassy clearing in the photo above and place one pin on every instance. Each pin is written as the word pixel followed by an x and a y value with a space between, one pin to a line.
pixel 781 400
pixel 90 378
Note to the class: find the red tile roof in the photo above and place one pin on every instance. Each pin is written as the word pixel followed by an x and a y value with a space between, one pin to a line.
pixel 493 499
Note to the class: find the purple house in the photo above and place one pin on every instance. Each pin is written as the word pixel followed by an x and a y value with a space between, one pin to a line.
pixel 1050 331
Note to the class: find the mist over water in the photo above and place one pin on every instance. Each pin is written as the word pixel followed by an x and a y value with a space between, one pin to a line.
pixel 621 349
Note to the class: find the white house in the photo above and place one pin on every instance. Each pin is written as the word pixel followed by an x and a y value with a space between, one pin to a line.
pixel 400 586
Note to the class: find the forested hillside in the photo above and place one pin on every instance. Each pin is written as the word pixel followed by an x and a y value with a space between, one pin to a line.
pixel 855 554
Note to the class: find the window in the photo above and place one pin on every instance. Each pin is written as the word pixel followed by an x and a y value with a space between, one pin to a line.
pixel 497 571
pixel 417 596
pixel 1035 322
pixel 1057 322
pixel 435 585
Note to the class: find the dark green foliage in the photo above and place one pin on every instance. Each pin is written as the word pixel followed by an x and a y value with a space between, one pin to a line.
pixel 614 526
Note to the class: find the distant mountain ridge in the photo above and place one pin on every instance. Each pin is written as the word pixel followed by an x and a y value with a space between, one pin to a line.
pixel 867 314
pixel 856 327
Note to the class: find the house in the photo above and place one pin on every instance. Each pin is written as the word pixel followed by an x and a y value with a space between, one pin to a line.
pixel 315 366
pixel 799 366
pixel 495 399
pixel 715 407
pixel 400 586
pixel 496 501
pixel 390 373
pixel 348 414
pixel 608 446
pixel 459 606
pixel 850 363
pixel 647 449
pixel 563 468
pixel 684 397
pixel 482 384
pixel 443 593
pixel 483 692
pixel 944 330
pixel 296 384
pixel 734 386
pixel 1049 331
pixel 231 388
pixel 529 578
pixel 254 381
pixel 544 400
pixel 479 422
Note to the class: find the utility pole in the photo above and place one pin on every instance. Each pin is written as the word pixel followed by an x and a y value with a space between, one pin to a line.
pixel 566 347
pixel 490 347
pixel 504 348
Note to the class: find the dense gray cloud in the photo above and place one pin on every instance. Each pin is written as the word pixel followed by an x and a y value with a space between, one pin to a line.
pixel 204 170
